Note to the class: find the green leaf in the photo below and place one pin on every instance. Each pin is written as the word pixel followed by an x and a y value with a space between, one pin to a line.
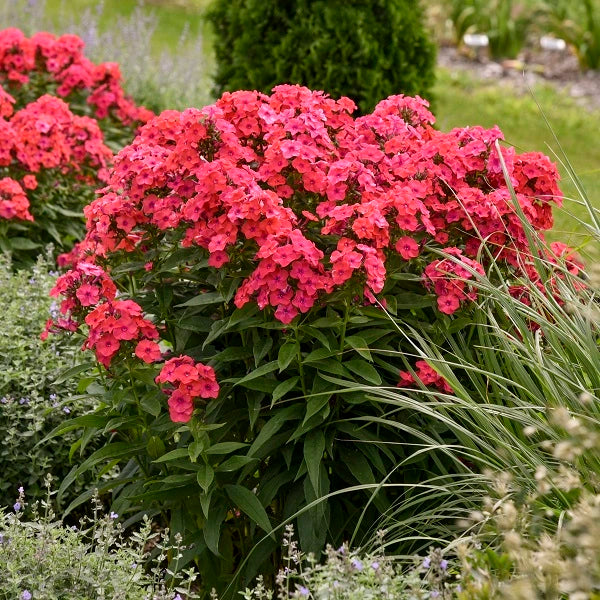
pixel 261 348
pixel 286 355
pixel 283 388
pixel 72 371
pixel 109 452
pixel 254 402
pixel 358 465
pixel 145 375
pixel 314 447
pixel 318 354
pixel 205 476
pixel 273 425
pixel 311 331
pixel 151 402
pixel 155 447
pixel 205 503
pixel 364 370
pixel 359 344
pixel 216 330
pixel 212 528
pixel 234 463
pixel 263 370
pixel 203 299
pixel 233 353
pixel 21 243
pixel 315 404
pixel 225 447
pixel 241 314
pixel 173 455
pixel 249 504
pixel 195 449
pixel 409 300
pixel 327 322
pixel 77 423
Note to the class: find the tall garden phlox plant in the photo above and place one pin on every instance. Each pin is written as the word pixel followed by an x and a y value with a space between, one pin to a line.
pixel 237 263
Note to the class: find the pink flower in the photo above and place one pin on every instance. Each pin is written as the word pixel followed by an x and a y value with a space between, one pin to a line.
pixel 448 304
pixel 407 247
pixel 88 294
pixel 181 407
pixel 148 351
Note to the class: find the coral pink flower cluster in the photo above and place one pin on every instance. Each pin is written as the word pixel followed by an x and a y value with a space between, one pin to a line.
pixel 119 326
pixel 47 135
pixel 427 375
pixel 449 280
pixel 315 198
pixel 317 201
pixel 113 325
pixel 59 65
pixel 189 380
pixel 13 201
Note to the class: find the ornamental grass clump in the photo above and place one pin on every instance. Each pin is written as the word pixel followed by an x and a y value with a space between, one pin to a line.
pixel 242 261
pixel 58 113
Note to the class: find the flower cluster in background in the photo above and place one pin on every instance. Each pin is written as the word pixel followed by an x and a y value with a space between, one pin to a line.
pixel 59 66
pixel 56 108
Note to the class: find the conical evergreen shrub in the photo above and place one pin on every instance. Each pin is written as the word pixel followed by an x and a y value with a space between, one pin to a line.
pixel 364 49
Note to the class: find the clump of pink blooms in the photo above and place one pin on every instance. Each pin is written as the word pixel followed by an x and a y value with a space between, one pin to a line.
pixel 45 135
pixel 59 66
pixel 188 380
pixel 318 201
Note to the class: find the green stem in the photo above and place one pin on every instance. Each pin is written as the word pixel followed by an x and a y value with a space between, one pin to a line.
pixel 343 334
pixel 300 364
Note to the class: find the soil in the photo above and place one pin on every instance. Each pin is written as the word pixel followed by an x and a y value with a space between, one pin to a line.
pixel 557 68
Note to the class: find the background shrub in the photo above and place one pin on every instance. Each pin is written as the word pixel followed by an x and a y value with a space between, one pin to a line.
pixel 31 404
pixel 363 50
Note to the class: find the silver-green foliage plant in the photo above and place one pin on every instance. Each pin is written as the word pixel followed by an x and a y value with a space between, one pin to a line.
pixel 31 402
pixel 349 574
pixel 546 539
pixel 42 558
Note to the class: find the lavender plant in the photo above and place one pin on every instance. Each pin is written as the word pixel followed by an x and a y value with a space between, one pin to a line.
pixel 42 558
pixel 159 79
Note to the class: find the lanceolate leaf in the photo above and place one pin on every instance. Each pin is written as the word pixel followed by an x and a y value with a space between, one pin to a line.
pixel 364 369
pixel 286 355
pixel 112 451
pixel 249 504
pixel 314 447
pixel 205 476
